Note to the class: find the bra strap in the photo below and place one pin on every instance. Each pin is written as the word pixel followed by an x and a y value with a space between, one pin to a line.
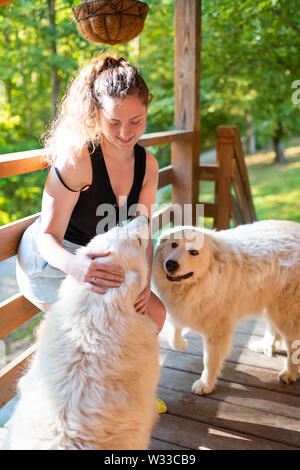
pixel 66 186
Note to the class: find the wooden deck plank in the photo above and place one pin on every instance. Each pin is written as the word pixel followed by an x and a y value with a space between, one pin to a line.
pixel 252 326
pixel 196 435
pixel 240 339
pixel 239 354
pixel 236 394
pixel 247 375
pixel 157 444
pixel 250 408
pixel 233 418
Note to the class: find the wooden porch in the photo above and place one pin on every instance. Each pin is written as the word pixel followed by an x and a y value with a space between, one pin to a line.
pixel 229 173
pixel 249 409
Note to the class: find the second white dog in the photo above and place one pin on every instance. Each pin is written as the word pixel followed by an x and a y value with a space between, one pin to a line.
pixel 209 280
pixel 92 381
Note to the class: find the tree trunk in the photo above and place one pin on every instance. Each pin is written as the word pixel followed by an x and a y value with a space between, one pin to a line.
pixel 280 156
pixel 55 81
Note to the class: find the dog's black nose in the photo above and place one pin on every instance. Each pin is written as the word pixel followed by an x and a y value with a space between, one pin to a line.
pixel 172 265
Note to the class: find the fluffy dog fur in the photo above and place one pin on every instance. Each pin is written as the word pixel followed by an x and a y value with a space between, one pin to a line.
pixel 251 269
pixel 92 381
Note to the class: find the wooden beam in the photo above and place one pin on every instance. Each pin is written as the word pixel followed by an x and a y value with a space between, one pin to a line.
pixel 15 311
pixel 240 158
pixel 161 138
pixel 11 234
pixel 226 134
pixel 225 153
pixel 210 209
pixel 165 176
pixel 236 213
pixel 243 202
pixel 185 155
pixel 208 172
pixel 11 373
pixel 161 218
pixel 21 162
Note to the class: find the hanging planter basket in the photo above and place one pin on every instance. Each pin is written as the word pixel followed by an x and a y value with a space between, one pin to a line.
pixel 110 21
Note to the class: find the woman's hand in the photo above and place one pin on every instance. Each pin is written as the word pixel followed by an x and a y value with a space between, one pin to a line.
pixel 141 303
pixel 98 276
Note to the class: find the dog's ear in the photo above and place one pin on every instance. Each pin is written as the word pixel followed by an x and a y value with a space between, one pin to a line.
pixel 162 241
pixel 218 255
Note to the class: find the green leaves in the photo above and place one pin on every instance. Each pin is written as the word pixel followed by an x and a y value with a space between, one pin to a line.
pixel 35 49
pixel 249 59
pixel 72 3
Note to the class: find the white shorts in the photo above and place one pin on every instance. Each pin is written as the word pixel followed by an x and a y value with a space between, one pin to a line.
pixel 38 281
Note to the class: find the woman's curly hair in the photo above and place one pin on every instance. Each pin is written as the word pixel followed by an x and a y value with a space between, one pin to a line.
pixel 77 121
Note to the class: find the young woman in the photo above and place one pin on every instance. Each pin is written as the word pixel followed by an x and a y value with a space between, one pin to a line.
pixel 94 159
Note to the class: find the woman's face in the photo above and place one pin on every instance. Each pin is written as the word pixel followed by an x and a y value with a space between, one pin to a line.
pixel 123 121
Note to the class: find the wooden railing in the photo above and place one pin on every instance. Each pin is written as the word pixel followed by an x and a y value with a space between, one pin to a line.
pixel 229 171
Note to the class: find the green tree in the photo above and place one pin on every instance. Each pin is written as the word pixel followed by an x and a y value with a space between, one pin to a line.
pixel 42 53
pixel 250 60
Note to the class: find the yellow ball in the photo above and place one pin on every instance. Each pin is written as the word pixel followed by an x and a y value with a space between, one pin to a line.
pixel 161 406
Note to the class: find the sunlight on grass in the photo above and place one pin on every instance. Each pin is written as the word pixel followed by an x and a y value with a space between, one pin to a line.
pixel 276 188
pixel 268 157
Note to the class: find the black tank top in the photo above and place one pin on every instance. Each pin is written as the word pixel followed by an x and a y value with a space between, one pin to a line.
pixel 97 210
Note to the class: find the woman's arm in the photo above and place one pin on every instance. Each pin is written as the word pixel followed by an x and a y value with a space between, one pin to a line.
pixel 149 255
pixel 57 206
pixel 147 201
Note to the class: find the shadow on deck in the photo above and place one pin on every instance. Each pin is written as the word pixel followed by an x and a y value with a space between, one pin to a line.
pixel 249 409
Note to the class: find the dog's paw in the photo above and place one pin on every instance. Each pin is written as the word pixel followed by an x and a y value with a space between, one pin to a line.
pixel 287 377
pixel 201 388
pixel 263 347
pixel 179 344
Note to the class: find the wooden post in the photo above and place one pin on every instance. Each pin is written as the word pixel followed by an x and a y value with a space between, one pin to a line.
pixel 185 154
pixel 225 153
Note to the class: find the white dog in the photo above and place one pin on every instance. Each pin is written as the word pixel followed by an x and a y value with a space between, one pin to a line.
pixel 92 381
pixel 209 280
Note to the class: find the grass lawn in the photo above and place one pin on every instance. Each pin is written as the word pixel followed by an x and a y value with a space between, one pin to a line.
pixel 276 188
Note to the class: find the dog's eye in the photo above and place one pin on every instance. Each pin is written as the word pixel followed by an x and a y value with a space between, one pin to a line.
pixel 194 252
pixel 174 245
